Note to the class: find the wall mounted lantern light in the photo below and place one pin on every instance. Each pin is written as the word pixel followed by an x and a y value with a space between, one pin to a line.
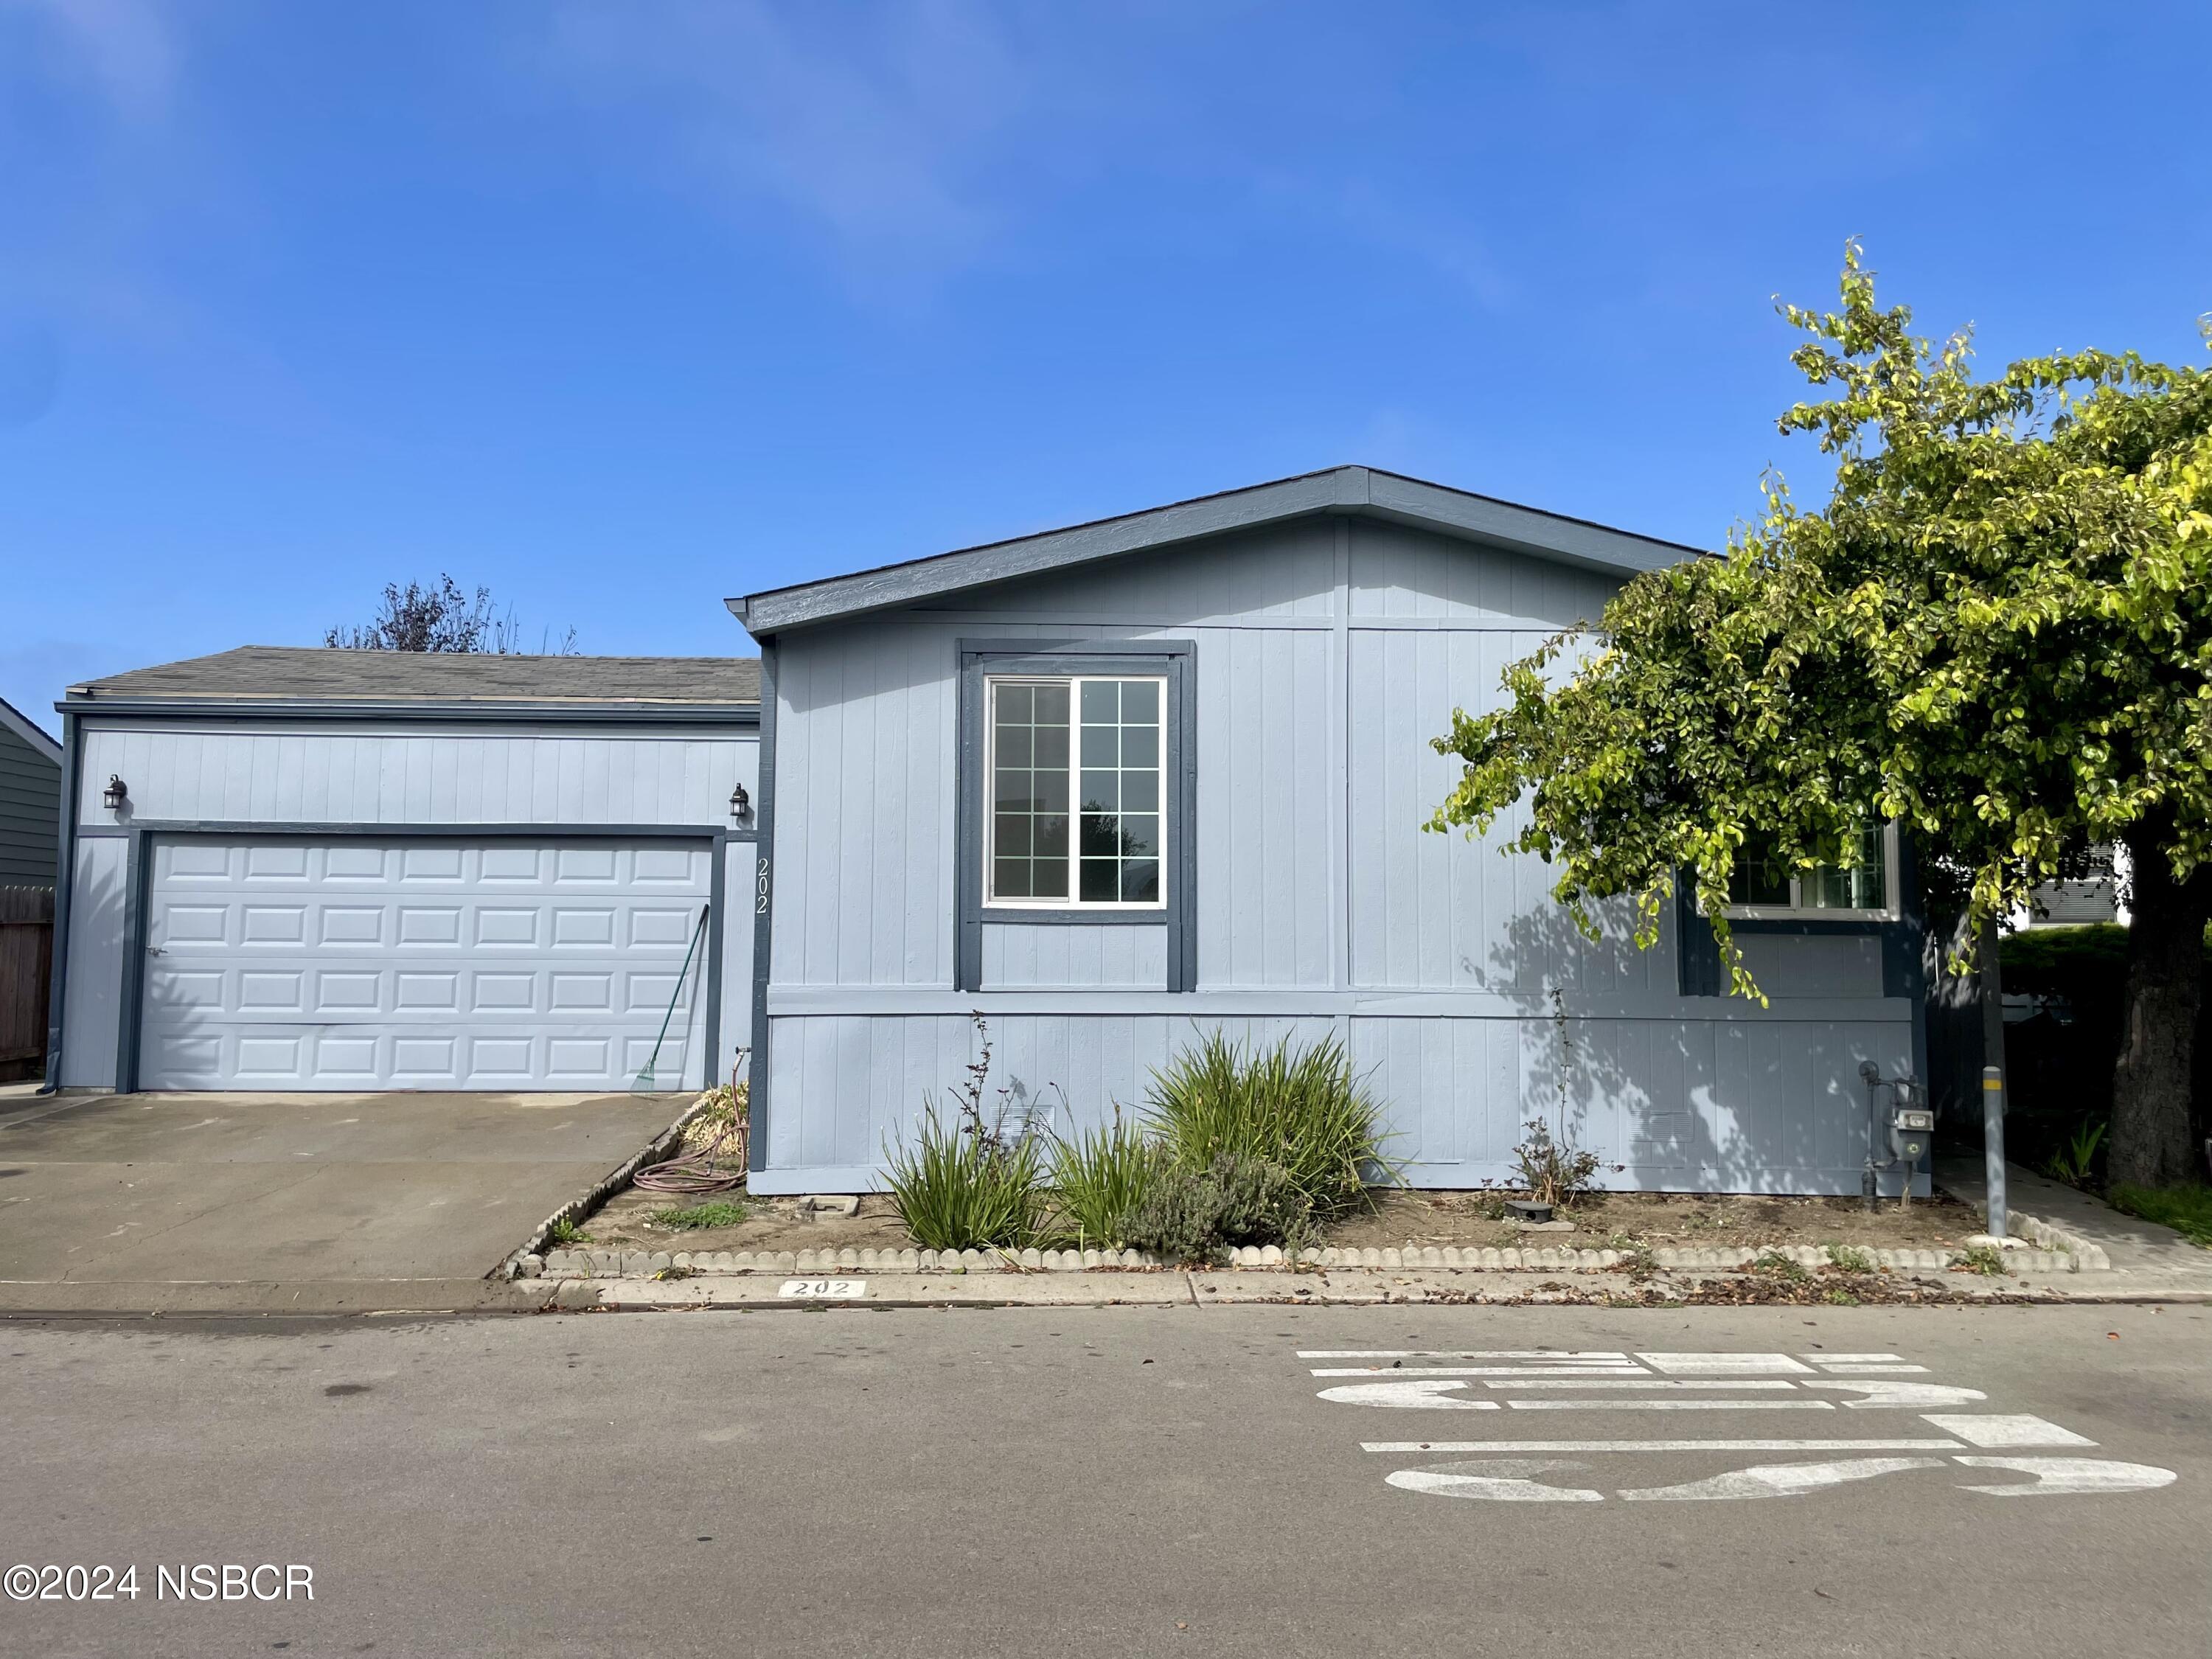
pixel 115 794
pixel 740 802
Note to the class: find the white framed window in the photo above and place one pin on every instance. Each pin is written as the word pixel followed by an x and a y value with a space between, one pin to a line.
pixel 1075 813
pixel 1865 890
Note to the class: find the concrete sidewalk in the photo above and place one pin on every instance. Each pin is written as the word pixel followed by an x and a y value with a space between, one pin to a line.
pixel 209 1202
pixel 2143 1253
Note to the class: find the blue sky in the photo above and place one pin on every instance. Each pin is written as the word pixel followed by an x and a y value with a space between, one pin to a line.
pixel 621 309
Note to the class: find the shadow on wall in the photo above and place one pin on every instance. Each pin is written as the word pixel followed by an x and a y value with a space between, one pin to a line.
pixel 1714 1096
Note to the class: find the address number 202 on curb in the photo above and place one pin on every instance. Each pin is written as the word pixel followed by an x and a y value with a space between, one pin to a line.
pixel 824 1290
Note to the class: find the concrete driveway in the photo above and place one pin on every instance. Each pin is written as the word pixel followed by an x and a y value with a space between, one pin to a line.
pixel 166 1201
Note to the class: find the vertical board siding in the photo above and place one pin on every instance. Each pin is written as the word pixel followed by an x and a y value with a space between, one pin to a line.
pixel 1285 572
pixel 1265 886
pixel 1062 957
pixel 93 1008
pixel 369 778
pixel 1722 1105
pixel 865 793
pixel 1403 574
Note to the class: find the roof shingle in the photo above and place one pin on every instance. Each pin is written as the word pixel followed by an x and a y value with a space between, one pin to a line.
pixel 276 673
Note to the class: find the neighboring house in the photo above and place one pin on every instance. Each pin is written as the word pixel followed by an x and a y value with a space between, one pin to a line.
pixel 1112 786
pixel 30 801
pixel 30 814
pixel 363 870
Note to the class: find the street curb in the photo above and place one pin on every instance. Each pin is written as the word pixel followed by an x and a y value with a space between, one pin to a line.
pixel 1229 1289
pixel 528 1262
pixel 610 1264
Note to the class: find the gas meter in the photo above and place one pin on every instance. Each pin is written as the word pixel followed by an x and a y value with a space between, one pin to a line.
pixel 1911 1129
pixel 1910 1126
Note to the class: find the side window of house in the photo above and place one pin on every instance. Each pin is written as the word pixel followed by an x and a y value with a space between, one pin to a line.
pixel 1078 812
pixel 1764 885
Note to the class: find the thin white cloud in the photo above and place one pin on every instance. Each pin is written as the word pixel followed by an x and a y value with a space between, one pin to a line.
pixel 875 125
pixel 124 47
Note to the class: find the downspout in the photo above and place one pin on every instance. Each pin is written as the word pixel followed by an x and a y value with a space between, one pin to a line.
pixel 64 885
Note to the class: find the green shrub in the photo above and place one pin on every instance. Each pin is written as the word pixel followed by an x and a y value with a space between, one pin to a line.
pixel 1851 1259
pixel 1098 1181
pixel 964 1188
pixel 1300 1110
pixel 2187 1210
pixel 1986 1259
pixel 1194 1215
pixel 720 1213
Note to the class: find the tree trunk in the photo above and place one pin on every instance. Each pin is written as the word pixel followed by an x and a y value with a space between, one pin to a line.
pixel 2165 986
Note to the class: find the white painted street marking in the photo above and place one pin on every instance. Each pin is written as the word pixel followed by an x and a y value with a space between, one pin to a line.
pixel 1896 1396
pixel 2007 1431
pixel 1552 1380
pixel 2058 1476
pixel 1480 1371
pixel 824 1290
pixel 1843 1369
pixel 1714 1364
pixel 1672 1405
pixel 1732 1385
pixel 1480 1446
pixel 1412 1393
pixel 1458 1353
pixel 1783 1480
pixel 1506 1482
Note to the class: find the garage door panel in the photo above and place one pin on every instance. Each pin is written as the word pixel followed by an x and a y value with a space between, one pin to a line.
pixel 304 965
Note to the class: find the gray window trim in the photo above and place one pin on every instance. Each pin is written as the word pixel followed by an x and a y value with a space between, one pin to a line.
pixel 1178 660
pixel 137 878
pixel 1698 972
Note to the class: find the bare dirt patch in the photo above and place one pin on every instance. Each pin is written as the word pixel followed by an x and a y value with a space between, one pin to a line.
pixel 625 1222
pixel 1678 1221
pixel 1399 1218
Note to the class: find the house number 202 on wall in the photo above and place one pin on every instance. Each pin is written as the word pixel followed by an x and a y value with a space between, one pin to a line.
pixel 760 890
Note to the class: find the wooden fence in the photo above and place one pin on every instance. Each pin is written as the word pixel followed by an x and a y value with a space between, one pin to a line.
pixel 27 960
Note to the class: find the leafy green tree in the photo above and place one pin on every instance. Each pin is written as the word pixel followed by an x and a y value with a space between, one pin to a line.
pixel 1997 631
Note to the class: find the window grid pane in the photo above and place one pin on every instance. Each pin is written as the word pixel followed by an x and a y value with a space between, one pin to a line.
pixel 1761 880
pixel 1029 791
pixel 1112 767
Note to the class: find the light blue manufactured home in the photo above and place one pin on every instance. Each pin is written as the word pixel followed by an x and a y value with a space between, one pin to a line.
pixel 1114 785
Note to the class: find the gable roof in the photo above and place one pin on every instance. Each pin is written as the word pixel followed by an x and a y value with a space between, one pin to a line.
pixel 14 719
pixel 321 678
pixel 1342 489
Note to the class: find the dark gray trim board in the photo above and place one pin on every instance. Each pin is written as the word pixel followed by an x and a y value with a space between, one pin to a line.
pixel 1179 658
pixel 250 709
pixel 763 915
pixel 64 886
pixel 1343 489
pixel 441 831
pixel 129 1020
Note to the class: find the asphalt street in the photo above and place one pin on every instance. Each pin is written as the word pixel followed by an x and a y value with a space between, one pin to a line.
pixel 1043 1482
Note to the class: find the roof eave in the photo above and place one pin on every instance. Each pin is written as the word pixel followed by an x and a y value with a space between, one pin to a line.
pixel 1349 490
pixel 221 706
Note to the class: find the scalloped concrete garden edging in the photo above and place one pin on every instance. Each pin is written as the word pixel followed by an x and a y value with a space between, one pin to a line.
pixel 639 1264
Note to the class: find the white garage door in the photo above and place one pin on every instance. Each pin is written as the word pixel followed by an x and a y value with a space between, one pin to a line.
pixel 422 964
